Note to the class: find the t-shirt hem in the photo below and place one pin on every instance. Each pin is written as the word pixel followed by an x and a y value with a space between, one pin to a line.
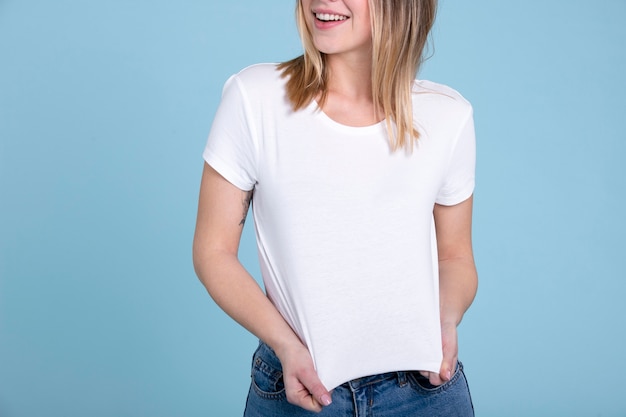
pixel 226 171
pixel 458 197
pixel 331 382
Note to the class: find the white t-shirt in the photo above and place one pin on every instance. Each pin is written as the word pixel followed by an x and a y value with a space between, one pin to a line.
pixel 344 225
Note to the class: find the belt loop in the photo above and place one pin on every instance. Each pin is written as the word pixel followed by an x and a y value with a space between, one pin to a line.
pixel 402 381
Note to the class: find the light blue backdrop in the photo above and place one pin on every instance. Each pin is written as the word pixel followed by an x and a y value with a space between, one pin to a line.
pixel 104 111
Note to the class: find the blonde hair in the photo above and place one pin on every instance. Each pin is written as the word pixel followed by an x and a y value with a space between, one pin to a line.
pixel 400 31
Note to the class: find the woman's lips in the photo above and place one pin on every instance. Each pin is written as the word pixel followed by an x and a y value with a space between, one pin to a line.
pixel 328 19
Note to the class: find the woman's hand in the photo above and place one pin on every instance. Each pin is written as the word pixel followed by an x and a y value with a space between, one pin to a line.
pixel 216 244
pixel 457 279
pixel 302 385
pixel 450 356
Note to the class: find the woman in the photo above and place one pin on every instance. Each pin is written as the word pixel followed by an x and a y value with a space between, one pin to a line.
pixel 362 181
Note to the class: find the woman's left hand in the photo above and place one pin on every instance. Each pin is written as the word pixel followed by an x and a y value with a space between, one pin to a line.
pixel 450 356
pixel 457 279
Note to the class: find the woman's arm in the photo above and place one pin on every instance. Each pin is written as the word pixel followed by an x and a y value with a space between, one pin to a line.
pixel 458 280
pixel 222 210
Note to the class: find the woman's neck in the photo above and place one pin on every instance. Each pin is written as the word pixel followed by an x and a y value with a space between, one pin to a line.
pixel 349 92
pixel 350 77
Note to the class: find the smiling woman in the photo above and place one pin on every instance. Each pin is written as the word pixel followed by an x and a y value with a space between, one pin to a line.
pixel 99 138
pixel 345 125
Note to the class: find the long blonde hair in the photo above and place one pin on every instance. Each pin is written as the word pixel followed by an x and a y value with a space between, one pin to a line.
pixel 400 31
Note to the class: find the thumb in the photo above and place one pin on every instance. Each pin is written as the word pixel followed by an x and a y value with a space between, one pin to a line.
pixel 448 364
pixel 447 368
pixel 312 382
pixel 450 352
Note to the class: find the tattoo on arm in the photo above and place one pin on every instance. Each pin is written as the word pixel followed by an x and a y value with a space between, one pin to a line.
pixel 247 199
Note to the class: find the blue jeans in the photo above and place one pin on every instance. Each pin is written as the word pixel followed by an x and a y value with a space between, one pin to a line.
pixel 393 394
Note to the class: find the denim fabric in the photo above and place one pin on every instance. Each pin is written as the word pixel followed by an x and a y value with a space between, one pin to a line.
pixel 393 394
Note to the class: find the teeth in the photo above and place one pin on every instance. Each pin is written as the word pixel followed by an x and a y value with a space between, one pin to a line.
pixel 329 17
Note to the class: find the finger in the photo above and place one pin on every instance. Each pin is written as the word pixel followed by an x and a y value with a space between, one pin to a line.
pixel 450 353
pixel 308 392
pixel 299 395
pixel 448 366
pixel 307 401
pixel 312 382
pixel 435 379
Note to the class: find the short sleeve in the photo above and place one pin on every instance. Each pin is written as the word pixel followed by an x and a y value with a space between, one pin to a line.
pixel 231 146
pixel 458 184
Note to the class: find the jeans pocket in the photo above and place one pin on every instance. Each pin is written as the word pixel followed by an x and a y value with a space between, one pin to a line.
pixel 422 384
pixel 267 380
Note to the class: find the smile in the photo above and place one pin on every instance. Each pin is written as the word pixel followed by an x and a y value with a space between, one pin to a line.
pixel 326 17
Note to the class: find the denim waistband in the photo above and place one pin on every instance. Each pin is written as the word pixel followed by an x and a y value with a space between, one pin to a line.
pixel 358 383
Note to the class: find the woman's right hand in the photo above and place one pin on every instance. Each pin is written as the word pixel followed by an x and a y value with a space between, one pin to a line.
pixel 216 244
pixel 302 385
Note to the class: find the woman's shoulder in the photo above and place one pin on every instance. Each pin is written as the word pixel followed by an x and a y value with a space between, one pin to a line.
pixel 259 74
pixel 432 92
pixel 439 104
pixel 258 80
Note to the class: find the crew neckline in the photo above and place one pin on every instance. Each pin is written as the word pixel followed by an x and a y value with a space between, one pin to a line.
pixel 317 111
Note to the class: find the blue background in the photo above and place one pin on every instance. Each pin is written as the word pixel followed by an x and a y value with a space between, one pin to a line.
pixel 104 111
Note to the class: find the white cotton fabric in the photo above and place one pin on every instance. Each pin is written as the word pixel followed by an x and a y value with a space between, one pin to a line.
pixel 344 226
